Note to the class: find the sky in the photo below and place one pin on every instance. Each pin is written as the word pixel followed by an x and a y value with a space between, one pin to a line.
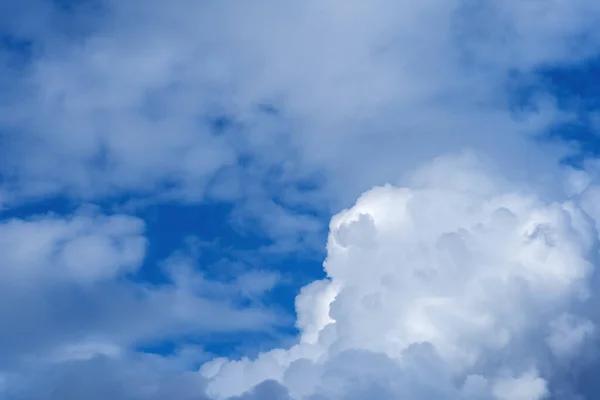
pixel 299 200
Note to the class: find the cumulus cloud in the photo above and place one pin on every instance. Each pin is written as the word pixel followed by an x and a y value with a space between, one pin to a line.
pixel 457 289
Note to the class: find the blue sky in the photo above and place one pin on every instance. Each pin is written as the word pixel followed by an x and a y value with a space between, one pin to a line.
pixel 307 200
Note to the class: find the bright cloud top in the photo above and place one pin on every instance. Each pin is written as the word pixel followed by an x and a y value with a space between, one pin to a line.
pixel 448 289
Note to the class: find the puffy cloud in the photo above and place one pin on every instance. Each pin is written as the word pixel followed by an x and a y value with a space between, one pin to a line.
pixel 66 293
pixel 84 247
pixel 454 286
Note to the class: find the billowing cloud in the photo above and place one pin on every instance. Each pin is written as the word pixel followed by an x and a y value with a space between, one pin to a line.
pixel 453 286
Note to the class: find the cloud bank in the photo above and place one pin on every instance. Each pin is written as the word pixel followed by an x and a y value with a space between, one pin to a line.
pixel 192 99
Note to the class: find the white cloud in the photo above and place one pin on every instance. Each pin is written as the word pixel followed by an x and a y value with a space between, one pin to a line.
pixel 86 247
pixel 65 295
pixel 456 287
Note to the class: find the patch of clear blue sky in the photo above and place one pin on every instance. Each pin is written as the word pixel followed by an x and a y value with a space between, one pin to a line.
pixel 576 89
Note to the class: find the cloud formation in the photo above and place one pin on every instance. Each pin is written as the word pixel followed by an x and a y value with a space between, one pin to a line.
pixel 456 281
pixel 453 289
